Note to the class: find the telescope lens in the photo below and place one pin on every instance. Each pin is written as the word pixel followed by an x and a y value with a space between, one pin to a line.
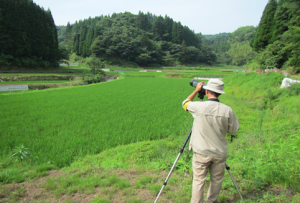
pixel 194 83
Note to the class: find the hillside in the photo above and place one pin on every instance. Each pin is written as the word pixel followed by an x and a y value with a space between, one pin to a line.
pixel 145 39
pixel 277 36
pixel 233 48
pixel 28 36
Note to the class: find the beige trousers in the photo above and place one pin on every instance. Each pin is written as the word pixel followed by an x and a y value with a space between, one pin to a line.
pixel 201 165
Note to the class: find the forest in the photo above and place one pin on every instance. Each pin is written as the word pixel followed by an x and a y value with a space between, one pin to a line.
pixel 277 36
pixel 28 35
pixel 145 39
pixel 273 43
pixel 29 38
pixel 233 48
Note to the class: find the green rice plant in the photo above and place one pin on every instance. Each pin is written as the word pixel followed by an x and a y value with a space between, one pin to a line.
pixel 59 129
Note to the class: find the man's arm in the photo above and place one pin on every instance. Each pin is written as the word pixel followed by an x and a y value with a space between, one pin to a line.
pixel 192 96
pixel 233 123
pixel 198 88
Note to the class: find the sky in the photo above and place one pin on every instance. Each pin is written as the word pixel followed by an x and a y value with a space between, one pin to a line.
pixel 205 16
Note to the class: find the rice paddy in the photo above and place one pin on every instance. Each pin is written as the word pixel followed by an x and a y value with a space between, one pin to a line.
pixel 60 125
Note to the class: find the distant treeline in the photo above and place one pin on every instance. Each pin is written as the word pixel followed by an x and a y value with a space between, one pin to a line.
pixel 233 48
pixel 144 38
pixel 28 35
pixel 274 42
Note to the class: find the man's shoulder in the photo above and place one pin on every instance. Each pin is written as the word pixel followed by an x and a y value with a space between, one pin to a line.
pixel 225 106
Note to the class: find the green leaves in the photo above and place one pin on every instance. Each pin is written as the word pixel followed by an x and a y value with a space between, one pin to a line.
pixel 27 33
pixel 264 30
pixel 96 66
pixel 142 38
pixel 20 153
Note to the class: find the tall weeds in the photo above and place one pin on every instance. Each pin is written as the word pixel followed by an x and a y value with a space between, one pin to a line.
pixel 269 153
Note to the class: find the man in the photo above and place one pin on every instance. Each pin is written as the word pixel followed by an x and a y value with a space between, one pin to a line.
pixel 212 120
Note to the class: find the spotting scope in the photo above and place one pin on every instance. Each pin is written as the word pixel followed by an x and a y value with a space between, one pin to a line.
pixel 201 93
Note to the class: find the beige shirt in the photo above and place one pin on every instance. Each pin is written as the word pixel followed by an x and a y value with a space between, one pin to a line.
pixel 212 120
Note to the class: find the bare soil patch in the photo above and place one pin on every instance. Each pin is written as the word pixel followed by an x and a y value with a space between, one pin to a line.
pixel 33 190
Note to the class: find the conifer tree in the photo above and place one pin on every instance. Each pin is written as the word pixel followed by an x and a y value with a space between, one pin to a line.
pixel 144 40
pixel 158 27
pixel 264 32
pixel 286 11
pixel 82 41
pixel 174 32
pixel 168 24
pixel 2 41
pixel 27 33
pixel 179 33
pixel 183 56
pixel 68 37
pixel 142 21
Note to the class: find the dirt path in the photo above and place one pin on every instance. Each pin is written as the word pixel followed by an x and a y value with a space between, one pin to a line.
pixel 38 190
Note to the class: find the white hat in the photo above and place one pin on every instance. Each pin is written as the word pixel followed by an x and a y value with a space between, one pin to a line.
pixel 215 85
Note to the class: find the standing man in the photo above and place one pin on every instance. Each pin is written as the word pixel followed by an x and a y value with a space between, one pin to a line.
pixel 212 120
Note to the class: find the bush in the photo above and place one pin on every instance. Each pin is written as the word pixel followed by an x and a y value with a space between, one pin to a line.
pixel 92 79
pixel 20 153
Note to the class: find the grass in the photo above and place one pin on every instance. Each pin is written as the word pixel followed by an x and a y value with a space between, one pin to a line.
pixel 136 124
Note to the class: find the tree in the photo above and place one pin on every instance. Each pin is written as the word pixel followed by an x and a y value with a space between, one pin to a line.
pixel 96 66
pixel 28 34
pixel 286 15
pixel 130 37
pixel 183 55
pixel 144 40
pixel 168 60
pixel 168 24
pixel 174 32
pixel 264 32
pixel 63 53
pixel 158 27
pixel 142 21
pixel 68 38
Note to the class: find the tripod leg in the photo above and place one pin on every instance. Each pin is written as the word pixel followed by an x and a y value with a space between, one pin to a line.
pixel 228 169
pixel 180 152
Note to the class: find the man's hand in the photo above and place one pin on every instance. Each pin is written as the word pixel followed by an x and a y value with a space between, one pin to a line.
pixel 199 86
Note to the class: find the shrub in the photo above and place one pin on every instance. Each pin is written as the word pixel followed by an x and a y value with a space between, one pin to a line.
pixel 20 153
pixel 92 79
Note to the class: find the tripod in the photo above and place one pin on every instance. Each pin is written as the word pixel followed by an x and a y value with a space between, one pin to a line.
pixel 180 152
